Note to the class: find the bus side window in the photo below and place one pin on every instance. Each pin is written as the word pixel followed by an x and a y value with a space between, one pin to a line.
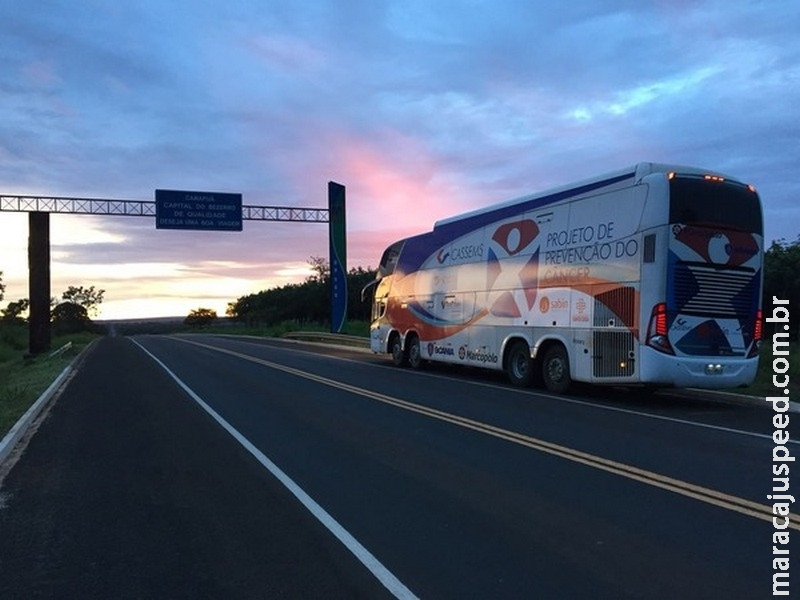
pixel 649 254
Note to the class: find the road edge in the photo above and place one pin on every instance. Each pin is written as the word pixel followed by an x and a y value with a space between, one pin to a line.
pixel 729 397
pixel 17 432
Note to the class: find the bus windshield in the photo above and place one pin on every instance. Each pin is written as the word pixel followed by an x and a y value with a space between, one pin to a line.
pixel 700 201
pixel 389 259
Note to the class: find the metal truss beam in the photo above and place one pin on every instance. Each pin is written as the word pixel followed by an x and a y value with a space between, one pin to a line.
pixel 140 208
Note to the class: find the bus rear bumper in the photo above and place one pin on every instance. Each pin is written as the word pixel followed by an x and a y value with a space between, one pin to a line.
pixel 705 372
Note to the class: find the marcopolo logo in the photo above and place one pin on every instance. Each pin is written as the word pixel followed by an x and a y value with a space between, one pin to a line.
pixel 480 356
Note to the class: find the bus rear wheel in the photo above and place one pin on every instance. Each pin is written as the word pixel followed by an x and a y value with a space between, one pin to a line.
pixel 519 367
pixel 414 352
pixel 555 369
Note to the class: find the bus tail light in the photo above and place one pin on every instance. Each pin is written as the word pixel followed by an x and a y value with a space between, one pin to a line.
pixel 758 333
pixel 758 329
pixel 658 329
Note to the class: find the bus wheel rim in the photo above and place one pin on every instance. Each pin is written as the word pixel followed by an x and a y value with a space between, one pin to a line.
pixel 555 369
pixel 520 366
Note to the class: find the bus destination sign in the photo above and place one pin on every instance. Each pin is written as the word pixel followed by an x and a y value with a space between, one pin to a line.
pixel 206 211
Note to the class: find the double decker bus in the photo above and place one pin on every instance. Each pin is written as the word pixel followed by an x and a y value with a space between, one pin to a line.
pixel 650 275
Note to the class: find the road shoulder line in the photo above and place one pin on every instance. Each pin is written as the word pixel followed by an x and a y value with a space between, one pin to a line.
pixel 386 577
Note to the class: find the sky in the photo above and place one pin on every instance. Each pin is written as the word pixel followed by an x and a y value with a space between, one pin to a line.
pixel 423 109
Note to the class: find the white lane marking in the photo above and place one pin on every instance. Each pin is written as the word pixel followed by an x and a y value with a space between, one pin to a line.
pixel 392 583
pixel 529 393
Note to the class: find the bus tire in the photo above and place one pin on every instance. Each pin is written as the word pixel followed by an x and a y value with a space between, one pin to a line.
pixel 555 369
pixel 414 352
pixel 519 366
pixel 399 356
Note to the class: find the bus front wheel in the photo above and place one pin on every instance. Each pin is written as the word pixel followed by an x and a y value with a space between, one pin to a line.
pixel 555 369
pixel 399 356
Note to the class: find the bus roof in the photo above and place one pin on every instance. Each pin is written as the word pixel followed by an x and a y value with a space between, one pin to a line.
pixel 622 177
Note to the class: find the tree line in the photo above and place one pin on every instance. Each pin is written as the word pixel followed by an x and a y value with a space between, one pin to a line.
pixel 782 278
pixel 303 303
pixel 71 314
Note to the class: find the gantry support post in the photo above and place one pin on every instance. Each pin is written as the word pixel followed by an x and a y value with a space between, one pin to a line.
pixel 337 236
pixel 39 282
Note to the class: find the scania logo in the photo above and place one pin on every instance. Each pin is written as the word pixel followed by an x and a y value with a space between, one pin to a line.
pixel 443 350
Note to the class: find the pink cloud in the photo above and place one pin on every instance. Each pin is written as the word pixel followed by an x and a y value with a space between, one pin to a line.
pixel 394 182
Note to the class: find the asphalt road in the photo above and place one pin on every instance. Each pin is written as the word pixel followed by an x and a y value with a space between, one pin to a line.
pixel 278 470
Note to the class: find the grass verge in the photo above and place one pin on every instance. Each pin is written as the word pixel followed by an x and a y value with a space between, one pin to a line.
pixel 763 386
pixel 23 380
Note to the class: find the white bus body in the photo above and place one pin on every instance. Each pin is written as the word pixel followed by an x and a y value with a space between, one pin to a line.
pixel 650 275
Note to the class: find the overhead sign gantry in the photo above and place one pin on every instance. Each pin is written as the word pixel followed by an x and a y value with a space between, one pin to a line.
pixel 173 209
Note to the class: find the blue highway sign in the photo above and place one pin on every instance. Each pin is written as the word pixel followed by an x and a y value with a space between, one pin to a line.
pixel 206 211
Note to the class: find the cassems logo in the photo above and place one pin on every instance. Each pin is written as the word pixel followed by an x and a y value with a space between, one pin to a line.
pixel 460 254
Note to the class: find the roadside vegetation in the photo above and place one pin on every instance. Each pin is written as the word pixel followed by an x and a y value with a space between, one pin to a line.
pixel 782 281
pixel 304 304
pixel 763 386
pixel 23 379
